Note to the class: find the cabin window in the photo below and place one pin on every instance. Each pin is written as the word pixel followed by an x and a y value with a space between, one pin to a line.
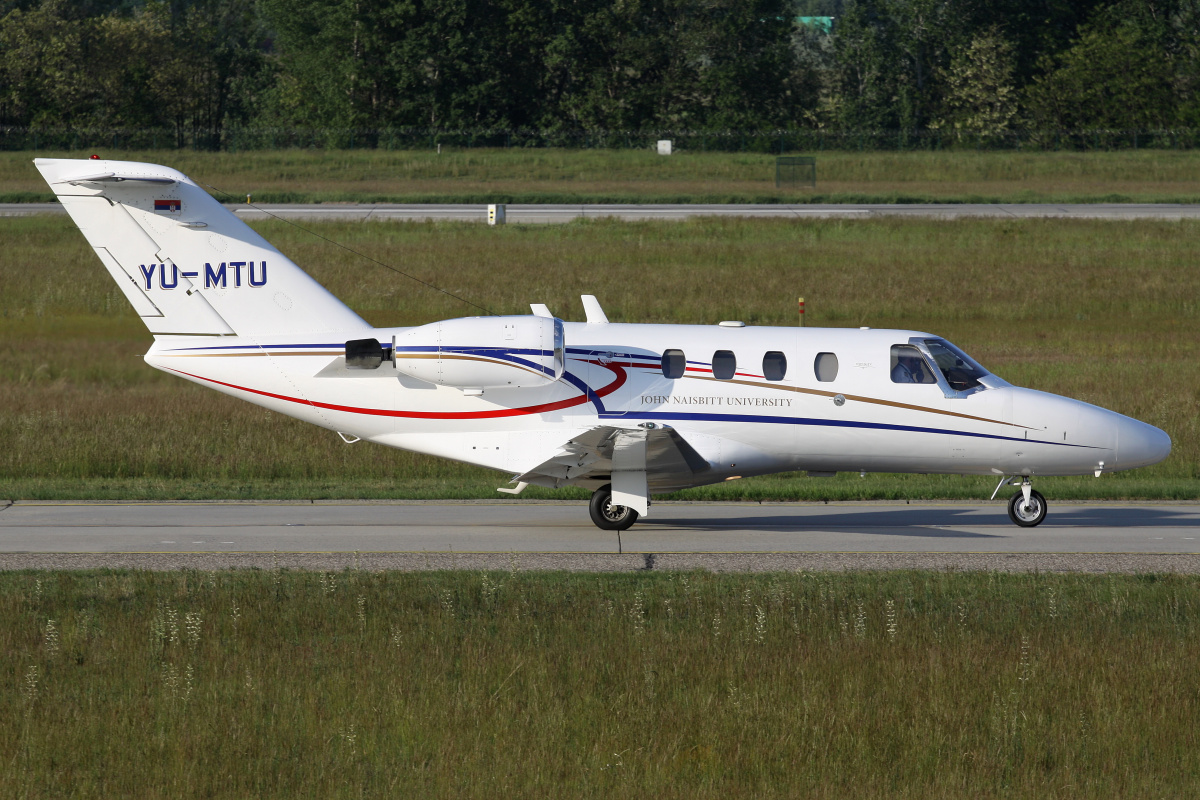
pixel 826 367
pixel 724 365
pixel 909 366
pixel 673 364
pixel 774 365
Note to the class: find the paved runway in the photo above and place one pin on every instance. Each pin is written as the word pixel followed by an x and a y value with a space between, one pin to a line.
pixel 545 527
pixel 518 214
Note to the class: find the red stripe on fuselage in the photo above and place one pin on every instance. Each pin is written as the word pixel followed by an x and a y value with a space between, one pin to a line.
pixel 381 412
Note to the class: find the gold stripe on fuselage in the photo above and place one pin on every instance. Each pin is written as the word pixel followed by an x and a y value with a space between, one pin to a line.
pixel 859 398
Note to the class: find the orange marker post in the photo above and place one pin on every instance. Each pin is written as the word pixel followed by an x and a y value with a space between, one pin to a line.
pixel 801 312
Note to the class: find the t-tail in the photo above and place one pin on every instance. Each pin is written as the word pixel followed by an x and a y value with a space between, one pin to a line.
pixel 186 263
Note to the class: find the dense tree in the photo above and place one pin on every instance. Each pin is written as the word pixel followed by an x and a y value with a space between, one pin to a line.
pixel 211 69
pixel 40 49
pixel 150 67
pixel 513 64
pixel 743 60
pixel 463 63
pixel 978 67
pixel 1115 79
pixel 324 60
pixel 980 97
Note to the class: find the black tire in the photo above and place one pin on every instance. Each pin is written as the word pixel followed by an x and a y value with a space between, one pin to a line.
pixel 607 516
pixel 1027 516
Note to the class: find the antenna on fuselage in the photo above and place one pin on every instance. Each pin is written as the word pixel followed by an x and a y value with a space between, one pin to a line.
pixel 591 308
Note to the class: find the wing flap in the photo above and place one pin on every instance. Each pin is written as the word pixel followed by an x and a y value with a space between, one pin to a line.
pixel 668 459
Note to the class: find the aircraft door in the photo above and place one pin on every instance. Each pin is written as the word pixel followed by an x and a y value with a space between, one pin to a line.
pixel 628 377
pixel 973 409
pixel 608 377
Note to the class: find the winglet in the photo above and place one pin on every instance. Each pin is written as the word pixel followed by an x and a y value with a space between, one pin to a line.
pixel 540 310
pixel 591 307
pixel 519 488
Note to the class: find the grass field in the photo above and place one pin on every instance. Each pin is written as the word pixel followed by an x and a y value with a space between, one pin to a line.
pixel 562 176
pixel 687 685
pixel 1102 311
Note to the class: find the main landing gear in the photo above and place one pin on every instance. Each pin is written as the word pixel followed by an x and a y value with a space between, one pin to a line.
pixel 1027 508
pixel 608 516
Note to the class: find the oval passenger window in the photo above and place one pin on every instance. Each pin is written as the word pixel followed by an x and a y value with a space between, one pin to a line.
pixel 826 367
pixel 724 365
pixel 673 364
pixel 774 365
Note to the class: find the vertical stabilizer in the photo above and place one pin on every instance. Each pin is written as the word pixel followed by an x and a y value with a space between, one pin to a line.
pixel 186 263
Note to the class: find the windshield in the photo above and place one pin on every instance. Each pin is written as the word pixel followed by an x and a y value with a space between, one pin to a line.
pixel 961 371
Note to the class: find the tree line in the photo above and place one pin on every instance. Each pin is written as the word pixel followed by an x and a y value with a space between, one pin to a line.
pixel 960 68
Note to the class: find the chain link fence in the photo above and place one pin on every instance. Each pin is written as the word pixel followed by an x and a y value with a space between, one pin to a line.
pixel 777 142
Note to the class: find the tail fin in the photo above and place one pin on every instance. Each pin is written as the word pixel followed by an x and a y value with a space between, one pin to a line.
pixel 186 263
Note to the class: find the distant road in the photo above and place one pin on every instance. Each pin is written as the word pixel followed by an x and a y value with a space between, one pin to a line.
pixel 564 213
pixel 1078 537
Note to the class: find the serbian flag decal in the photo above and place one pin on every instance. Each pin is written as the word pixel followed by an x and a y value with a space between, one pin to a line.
pixel 168 206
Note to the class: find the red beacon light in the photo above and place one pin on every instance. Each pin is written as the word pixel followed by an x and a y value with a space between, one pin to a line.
pixel 95 157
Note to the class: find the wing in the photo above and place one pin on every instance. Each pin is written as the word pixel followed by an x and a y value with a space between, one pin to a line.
pixel 634 460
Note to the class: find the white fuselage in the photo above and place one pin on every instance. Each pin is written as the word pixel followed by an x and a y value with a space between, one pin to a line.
pixel 860 419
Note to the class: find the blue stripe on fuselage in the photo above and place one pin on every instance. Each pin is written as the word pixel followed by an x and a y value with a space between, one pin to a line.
pixel 828 423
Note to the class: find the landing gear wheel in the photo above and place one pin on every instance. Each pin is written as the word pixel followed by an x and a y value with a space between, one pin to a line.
pixel 607 516
pixel 1027 515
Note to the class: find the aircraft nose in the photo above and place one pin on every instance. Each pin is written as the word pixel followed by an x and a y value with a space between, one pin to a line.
pixel 1140 445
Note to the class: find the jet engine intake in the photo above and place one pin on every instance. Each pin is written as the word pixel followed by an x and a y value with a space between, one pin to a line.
pixel 484 352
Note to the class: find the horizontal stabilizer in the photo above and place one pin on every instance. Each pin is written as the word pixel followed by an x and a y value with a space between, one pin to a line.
pixel 106 177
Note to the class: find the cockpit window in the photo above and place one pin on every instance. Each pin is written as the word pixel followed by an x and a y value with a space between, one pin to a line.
pixel 909 366
pixel 961 371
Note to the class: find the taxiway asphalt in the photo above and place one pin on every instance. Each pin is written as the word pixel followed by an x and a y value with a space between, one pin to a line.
pixel 524 214
pixel 1093 537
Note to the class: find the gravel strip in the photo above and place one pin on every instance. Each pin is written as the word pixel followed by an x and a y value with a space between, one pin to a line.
pixel 1095 563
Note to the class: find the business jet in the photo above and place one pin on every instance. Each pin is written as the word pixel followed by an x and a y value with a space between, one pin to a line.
pixel 625 410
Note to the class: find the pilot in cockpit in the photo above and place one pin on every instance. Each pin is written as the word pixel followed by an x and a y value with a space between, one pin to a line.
pixel 909 367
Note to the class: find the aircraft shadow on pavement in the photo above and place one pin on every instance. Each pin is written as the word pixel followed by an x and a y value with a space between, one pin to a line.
pixel 1124 517
pixel 916 522
pixel 927 522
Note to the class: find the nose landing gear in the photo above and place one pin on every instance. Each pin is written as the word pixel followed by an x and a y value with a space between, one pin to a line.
pixel 1027 508
pixel 607 516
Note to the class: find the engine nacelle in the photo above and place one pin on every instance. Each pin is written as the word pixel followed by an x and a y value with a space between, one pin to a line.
pixel 484 352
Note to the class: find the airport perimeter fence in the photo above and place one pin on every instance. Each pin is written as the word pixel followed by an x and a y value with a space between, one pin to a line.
pixel 235 139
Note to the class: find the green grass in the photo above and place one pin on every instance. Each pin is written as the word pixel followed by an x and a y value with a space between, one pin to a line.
pixel 568 176
pixel 465 483
pixel 1102 311
pixel 689 685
